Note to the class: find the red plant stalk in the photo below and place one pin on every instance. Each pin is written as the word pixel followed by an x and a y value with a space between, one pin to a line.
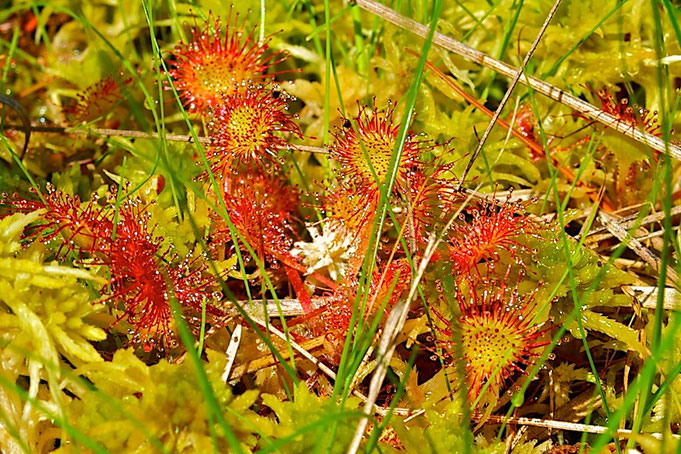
pixel 262 207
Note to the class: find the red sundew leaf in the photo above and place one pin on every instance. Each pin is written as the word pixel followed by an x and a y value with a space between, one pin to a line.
pixel 350 208
pixel 395 281
pixel 193 284
pixel 141 272
pixel 247 129
pixel 432 199
pixel 136 278
pixel 498 335
pixel 85 227
pixel 210 67
pixel 262 207
pixel 96 100
pixel 373 136
pixel 333 322
pixel 635 116
pixel 494 227
pixel 141 277
pixel 14 203
pixel 333 319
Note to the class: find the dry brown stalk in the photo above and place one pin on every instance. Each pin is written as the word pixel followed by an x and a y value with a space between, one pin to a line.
pixel 606 204
pixel 132 134
pixel 232 348
pixel 564 425
pixel 647 296
pixel 546 89
pixel 270 360
pixel 514 81
pixel 628 221
pixel 635 245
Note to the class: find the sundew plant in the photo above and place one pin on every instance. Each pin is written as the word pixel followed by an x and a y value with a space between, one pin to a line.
pixel 340 226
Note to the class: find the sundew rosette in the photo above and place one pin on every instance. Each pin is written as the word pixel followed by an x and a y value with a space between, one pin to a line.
pixel 496 334
pixel 364 146
pixel 211 66
pixel 249 128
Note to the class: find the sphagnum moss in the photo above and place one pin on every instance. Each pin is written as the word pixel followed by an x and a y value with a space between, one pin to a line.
pixel 120 255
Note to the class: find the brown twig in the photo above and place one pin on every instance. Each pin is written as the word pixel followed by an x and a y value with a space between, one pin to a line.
pixel 628 221
pixel 563 425
pixel 546 89
pixel 635 245
pixel 647 296
pixel 509 90
pixel 132 134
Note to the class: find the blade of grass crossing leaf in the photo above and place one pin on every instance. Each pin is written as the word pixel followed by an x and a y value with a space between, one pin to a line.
pixel 178 200
pixel 360 47
pixel 313 23
pixel 568 256
pixel 322 28
pixel 202 329
pixel 666 201
pixel 466 10
pixel 399 392
pixel 552 70
pixel 672 18
pixel 509 26
pixel 324 421
pixel 387 187
pixel 8 61
pixel 40 26
pixel 22 167
pixel 586 159
pixel 327 73
pixel 126 25
pixel 263 12
pixel 119 197
pixel 479 22
pixel 210 400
